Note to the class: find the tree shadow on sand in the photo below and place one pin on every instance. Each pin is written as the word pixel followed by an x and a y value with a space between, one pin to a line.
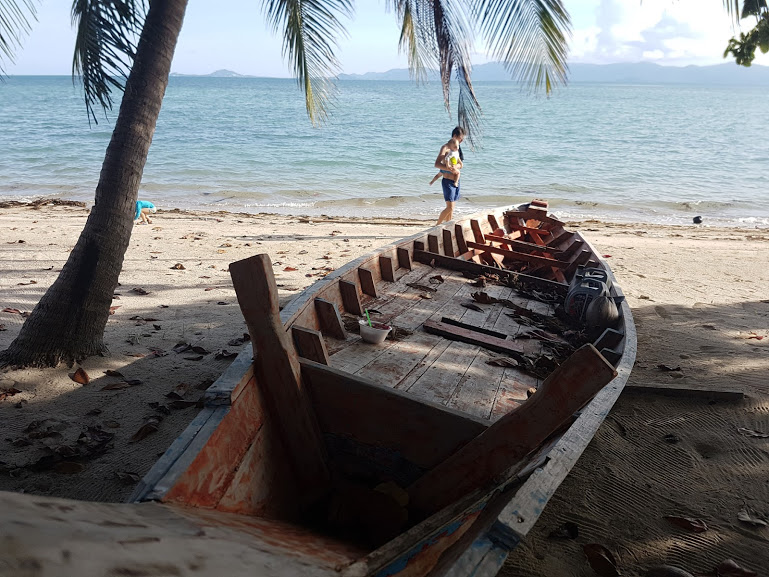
pixel 658 456
pixel 654 456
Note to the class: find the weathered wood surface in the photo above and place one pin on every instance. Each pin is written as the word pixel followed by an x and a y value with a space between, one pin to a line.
pixel 520 256
pixel 515 435
pixel 432 243
pixel 448 243
pixel 329 319
pixel 352 406
pixel 417 551
pixel 350 298
pixel 476 228
pixel 310 344
pixel 386 266
pixel 404 259
pixel 469 266
pixel 54 537
pixel 519 244
pixel 547 222
pixel 460 234
pixel 572 249
pixel 460 324
pixel 277 370
pixel 472 337
pixel 367 282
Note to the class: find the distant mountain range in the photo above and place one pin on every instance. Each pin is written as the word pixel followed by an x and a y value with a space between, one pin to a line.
pixel 223 73
pixel 625 73
pixel 638 73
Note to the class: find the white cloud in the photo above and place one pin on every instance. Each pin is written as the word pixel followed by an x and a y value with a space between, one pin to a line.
pixel 671 32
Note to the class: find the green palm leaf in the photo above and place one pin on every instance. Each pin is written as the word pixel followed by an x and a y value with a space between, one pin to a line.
pixel 454 37
pixel 309 29
pixel 14 23
pixel 529 36
pixel 417 37
pixel 107 33
pixel 439 32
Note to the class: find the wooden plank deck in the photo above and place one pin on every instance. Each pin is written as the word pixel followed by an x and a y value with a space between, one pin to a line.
pixel 431 367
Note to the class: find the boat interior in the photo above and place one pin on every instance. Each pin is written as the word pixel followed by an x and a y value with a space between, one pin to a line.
pixel 478 331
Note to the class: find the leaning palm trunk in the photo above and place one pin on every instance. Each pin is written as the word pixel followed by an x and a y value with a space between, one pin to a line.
pixel 68 322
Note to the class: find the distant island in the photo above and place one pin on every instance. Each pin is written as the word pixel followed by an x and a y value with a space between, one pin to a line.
pixel 624 73
pixel 223 73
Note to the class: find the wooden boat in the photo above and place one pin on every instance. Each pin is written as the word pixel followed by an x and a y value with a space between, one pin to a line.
pixel 320 454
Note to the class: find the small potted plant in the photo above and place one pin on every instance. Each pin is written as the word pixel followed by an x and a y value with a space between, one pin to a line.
pixel 374 333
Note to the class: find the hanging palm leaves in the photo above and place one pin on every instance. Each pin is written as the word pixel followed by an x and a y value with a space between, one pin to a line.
pixel 107 32
pixel 309 30
pixel 14 23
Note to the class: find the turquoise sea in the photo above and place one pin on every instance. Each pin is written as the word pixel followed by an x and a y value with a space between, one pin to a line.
pixel 649 153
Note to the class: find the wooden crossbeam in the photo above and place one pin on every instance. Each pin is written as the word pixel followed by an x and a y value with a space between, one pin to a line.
pixel 404 260
pixel 329 319
pixel 539 241
pixel 476 268
pixel 432 243
pixel 582 257
pixel 519 244
pixel 476 227
pixel 570 250
pixel 367 284
pixel 310 344
pixel 460 324
pixel 493 222
pixel 560 238
pixel 459 233
pixel 536 214
pixel 515 255
pixel 528 229
pixel 448 243
pixel 350 298
pixel 386 268
pixel 473 337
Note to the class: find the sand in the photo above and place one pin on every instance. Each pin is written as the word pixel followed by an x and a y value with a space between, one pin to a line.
pixel 698 297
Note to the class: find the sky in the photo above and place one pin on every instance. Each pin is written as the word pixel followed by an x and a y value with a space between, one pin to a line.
pixel 233 35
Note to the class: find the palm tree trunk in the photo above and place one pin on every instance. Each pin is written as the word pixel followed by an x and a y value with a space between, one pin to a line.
pixel 68 322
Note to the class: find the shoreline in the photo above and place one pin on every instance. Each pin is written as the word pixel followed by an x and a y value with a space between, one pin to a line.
pixel 698 299
pixel 48 202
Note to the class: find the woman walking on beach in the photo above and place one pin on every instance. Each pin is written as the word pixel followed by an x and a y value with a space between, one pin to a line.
pixel 450 182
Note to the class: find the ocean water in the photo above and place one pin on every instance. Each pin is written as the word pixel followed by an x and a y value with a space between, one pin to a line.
pixel 644 153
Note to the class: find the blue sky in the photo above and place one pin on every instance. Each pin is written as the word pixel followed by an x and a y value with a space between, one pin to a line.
pixel 232 34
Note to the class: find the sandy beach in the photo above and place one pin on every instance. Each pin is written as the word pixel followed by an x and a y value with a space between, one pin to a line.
pixel 698 297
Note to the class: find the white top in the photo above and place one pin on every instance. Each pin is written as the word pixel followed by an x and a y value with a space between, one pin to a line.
pixel 449 155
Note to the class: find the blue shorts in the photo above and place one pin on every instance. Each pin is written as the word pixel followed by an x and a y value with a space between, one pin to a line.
pixel 450 190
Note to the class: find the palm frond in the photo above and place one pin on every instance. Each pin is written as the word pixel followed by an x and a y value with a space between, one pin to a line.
pixel 14 24
pixel 417 37
pixel 105 45
pixel 310 29
pixel 454 39
pixel 529 36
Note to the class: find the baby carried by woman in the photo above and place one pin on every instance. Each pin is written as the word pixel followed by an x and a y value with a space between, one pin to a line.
pixel 451 160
